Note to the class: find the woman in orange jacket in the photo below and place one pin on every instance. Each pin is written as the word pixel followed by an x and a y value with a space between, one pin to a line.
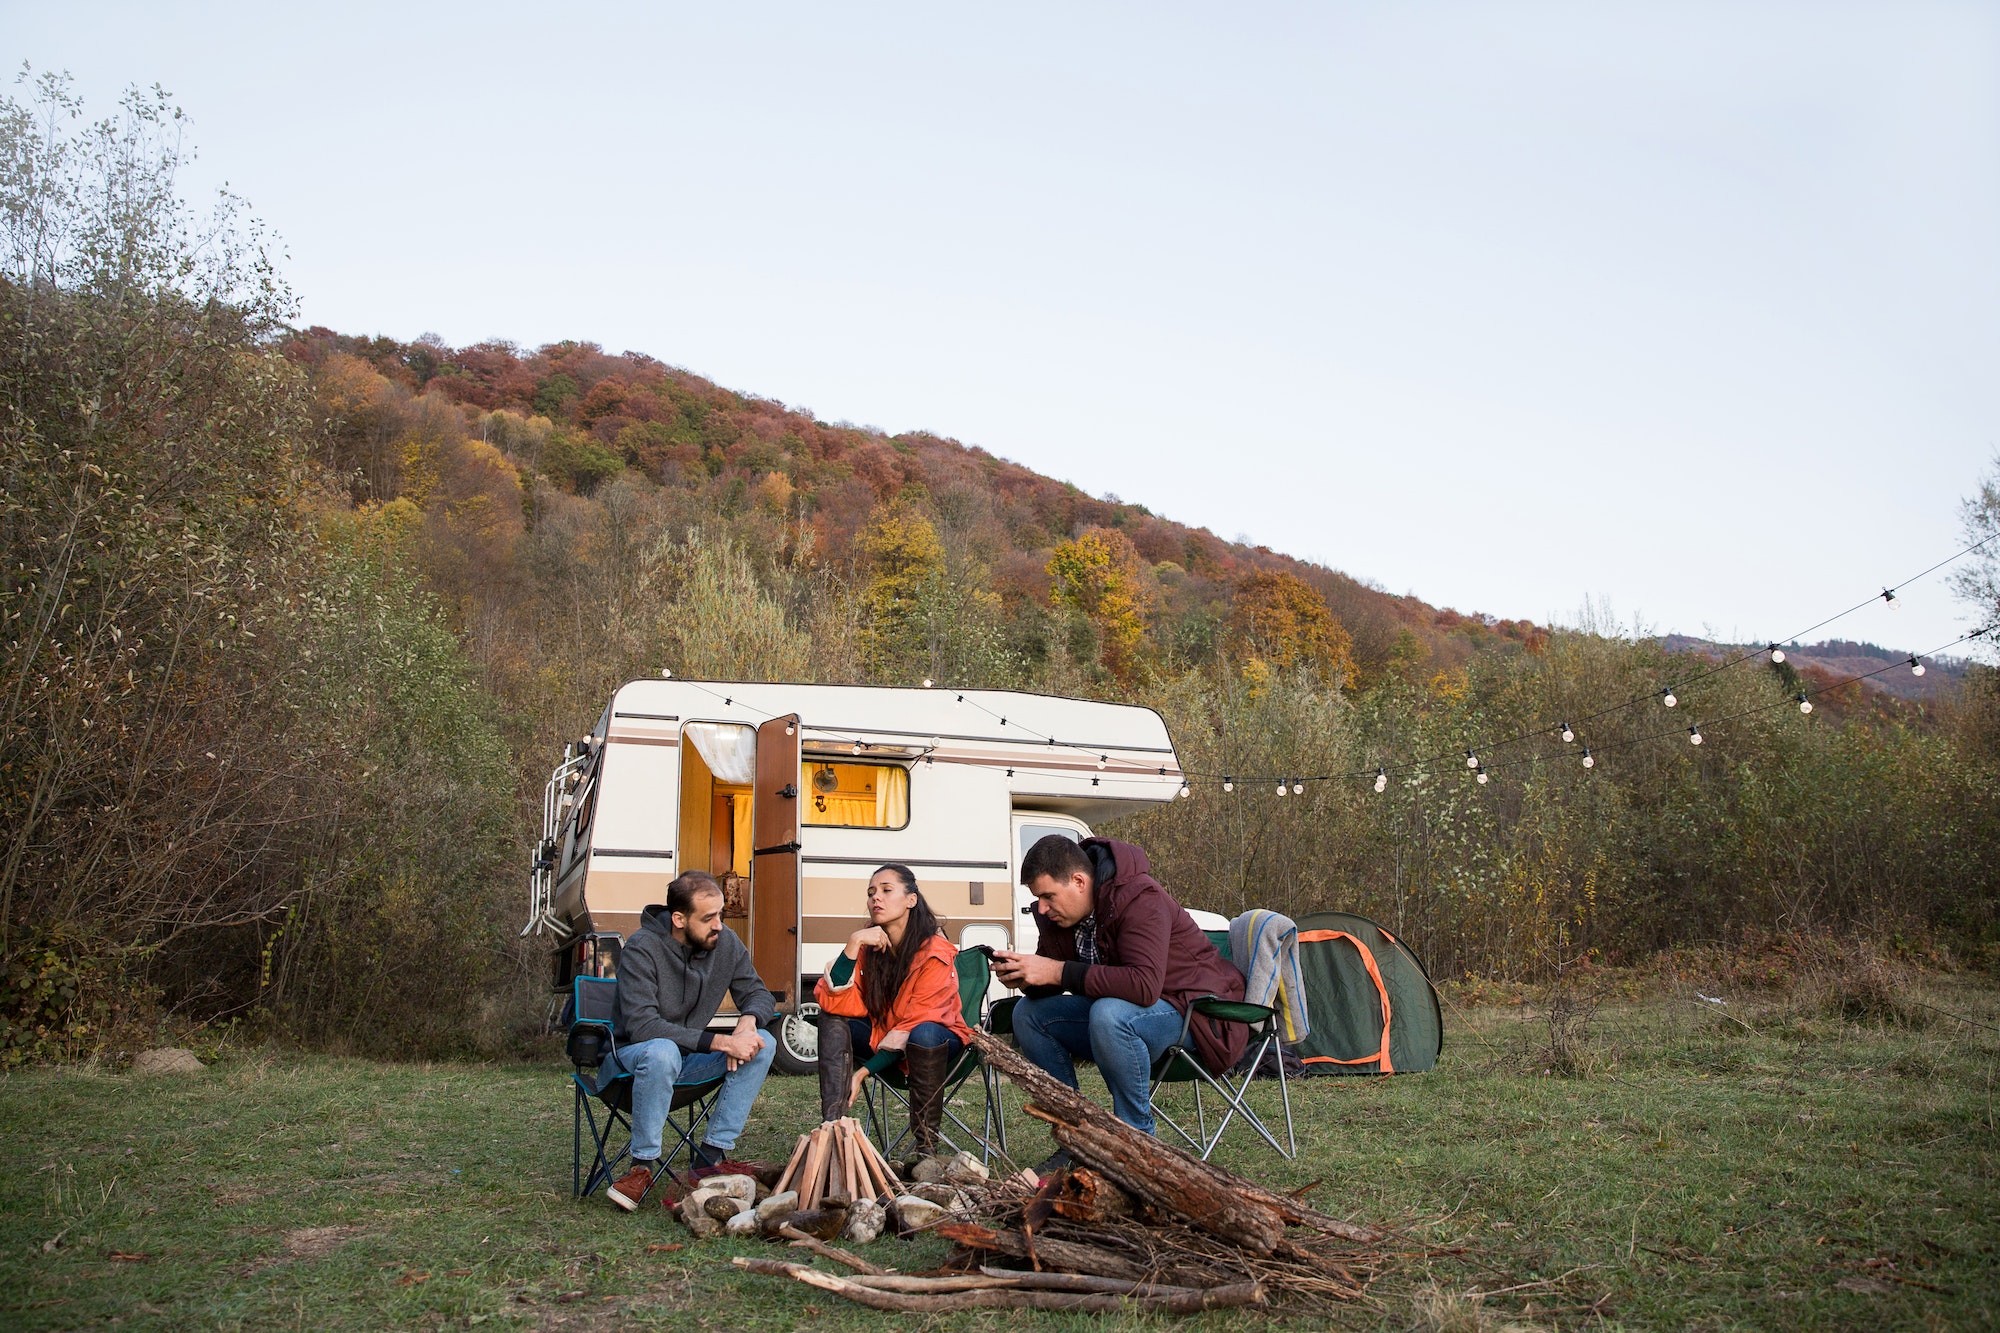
pixel 892 995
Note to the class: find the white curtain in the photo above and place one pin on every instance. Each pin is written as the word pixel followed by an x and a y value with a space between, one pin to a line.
pixel 729 750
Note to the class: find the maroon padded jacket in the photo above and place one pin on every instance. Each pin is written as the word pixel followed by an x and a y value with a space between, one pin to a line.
pixel 1148 949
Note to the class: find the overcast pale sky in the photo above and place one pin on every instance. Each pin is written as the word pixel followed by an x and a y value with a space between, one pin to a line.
pixel 1686 307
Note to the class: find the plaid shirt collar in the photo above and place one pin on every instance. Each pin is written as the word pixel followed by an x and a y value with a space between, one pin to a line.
pixel 1086 940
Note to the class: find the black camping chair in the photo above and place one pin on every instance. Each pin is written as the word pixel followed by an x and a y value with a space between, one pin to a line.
pixel 1181 1063
pixel 592 1041
pixel 975 972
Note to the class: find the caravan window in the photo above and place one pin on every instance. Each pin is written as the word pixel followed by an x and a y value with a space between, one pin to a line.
pixel 840 795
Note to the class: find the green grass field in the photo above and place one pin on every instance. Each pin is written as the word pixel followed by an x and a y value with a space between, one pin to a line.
pixel 1809 1174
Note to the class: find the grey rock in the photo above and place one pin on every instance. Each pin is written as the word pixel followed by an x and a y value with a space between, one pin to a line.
pixel 914 1214
pixel 167 1060
pixel 743 1224
pixel 733 1185
pixel 777 1205
pixel 965 1167
pixel 865 1220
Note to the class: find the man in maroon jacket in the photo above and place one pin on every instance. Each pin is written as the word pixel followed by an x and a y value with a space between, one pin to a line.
pixel 1117 965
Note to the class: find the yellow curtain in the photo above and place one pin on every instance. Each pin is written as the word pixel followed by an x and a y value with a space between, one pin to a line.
pixel 892 797
pixel 739 814
pixel 868 795
pixel 841 808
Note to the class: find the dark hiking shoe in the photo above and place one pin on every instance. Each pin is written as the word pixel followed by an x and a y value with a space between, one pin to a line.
pixel 631 1189
pixel 1056 1161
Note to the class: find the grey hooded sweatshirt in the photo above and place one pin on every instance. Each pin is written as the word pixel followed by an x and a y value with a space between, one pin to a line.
pixel 670 989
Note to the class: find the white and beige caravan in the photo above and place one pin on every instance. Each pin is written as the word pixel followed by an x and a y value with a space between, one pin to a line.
pixel 792 794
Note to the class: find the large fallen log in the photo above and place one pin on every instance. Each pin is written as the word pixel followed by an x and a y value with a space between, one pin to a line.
pixel 1218 1201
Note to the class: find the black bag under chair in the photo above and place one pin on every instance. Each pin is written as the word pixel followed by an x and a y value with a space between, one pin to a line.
pixel 593 1018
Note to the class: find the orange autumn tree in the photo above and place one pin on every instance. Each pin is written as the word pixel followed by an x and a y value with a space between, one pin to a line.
pixel 1280 620
pixel 1100 575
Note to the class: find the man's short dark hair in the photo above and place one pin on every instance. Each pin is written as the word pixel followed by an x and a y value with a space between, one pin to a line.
pixel 690 886
pixel 1056 856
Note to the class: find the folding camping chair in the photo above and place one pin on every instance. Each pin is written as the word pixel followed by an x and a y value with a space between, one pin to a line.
pixel 1181 1063
pixel 975 973
pixel 593 1019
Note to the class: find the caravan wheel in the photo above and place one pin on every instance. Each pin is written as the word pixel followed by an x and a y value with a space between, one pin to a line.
pixel 798 1041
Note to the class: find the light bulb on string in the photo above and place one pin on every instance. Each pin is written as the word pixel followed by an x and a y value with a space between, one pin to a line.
pixel 927 682
pixel 1916 667
pixel 791 728
pixel 857 747
pixel 1186 790
pixel 1805 704
pixel 1381 779
pixel 1889 596
pixel 1228 783
pixel 1281 786
pixel 666 674
pixel 1100 761
pixel 957 701
pixel 1471 759
pixel 1668 697
pixel 1777 653
pixel 1567 734
pixel 1694 735
pixel 1588 762
pixel 1482 777
pixel 1299 787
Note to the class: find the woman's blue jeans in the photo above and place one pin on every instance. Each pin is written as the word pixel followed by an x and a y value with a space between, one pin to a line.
pixel 1121 1037
pixel 923 1034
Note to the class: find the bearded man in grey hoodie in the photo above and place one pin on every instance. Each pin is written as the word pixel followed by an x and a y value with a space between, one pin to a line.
pixel 672 975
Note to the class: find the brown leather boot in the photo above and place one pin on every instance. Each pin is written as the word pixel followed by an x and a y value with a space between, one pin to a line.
pixel 836 1065
pixel 927 1066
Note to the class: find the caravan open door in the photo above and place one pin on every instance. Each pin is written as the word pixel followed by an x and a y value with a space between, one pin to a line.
pixel 774 859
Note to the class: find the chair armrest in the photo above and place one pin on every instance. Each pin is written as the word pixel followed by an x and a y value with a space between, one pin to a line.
pixel 1000 1017
pixel 1233 1011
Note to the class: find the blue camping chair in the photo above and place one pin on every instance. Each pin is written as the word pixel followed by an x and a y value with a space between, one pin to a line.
pixel 592 1041
pixel 891 1089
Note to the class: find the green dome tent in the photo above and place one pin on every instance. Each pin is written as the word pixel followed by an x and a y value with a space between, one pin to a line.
pixel 1371 1003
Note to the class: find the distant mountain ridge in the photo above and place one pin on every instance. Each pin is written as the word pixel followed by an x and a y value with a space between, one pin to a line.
pixel 1838 660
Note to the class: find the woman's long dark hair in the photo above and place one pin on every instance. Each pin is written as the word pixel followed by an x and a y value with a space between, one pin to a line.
pixel 886 971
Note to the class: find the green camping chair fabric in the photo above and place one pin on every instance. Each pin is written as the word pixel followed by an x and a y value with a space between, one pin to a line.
pixel 1374 1009
pixel 975 973
pixel 1181 1063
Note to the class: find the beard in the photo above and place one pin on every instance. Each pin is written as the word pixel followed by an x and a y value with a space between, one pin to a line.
pixel 707 945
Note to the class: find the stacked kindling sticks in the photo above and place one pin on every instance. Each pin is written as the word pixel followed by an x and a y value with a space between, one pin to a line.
pixel 837 1160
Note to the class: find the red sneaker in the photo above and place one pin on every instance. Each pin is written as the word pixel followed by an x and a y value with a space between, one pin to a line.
pixel 631 1188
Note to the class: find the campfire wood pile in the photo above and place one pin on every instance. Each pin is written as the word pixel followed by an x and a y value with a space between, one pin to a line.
pixel 837 1160
pixel 1133 1224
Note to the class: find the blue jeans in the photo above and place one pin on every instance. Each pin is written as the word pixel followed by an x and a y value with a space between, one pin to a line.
pixel 923 1034
pixel 1121 1037
pixel 657 1065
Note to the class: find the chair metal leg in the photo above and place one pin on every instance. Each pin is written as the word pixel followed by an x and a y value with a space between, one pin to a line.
pixel 1285 1096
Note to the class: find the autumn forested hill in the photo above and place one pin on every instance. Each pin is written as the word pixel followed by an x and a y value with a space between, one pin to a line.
pixel 570 420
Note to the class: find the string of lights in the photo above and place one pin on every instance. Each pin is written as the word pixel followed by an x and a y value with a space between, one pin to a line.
pixel 1670 693
pixel 1480 769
